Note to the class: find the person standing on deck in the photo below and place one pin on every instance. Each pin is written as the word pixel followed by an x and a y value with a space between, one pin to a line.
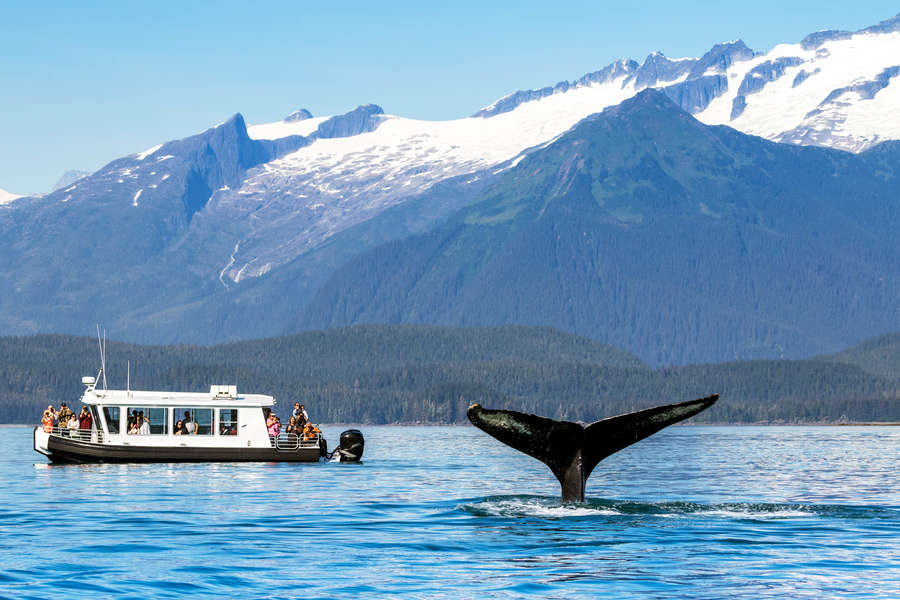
pixel 65 413
pixel 85 420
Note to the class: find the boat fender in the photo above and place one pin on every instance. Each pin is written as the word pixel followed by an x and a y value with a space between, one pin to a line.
pixel 323 447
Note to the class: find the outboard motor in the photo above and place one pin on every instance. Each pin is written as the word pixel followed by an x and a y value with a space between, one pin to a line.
pixel 351 446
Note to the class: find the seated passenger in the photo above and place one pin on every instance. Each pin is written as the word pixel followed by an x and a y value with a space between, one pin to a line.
pixel 189 425
pixel 292 426
pixel 179 428
pixel 310 431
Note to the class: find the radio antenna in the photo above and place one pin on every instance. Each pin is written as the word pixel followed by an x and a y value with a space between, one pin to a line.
pixel 104 360
pixel 102 344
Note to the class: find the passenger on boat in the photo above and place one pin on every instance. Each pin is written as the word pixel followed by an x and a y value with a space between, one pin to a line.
pixel 73 427
pixel 85 420
pixel 65 413
pixel 189 425
pixel 145 424
pixel 179 428
pixel 302 417
pixel 300 413
pixel 47 421
pixel 310 431
pixel 273 424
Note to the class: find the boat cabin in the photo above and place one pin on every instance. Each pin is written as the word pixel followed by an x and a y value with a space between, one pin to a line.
pixel 176 426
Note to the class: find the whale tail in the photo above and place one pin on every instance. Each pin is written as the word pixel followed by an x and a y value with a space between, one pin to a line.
pixel 572 450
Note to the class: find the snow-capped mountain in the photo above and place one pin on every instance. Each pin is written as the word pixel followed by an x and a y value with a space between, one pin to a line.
pixel 7 197
pixel 213 228
pixel 833 88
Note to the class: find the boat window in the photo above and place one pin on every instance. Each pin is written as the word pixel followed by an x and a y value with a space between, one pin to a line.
pixel 148 420
pixel 95 416
pixel 196 420
pixel 228 421
pixel 111 414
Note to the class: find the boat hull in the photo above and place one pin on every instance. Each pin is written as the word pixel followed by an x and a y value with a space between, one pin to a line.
pixel 65 450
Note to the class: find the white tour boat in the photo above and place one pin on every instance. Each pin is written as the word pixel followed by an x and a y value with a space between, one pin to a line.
pixel 224 427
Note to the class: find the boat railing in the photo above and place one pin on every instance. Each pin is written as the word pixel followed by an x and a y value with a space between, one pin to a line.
pixel 292 441
pixel 92 435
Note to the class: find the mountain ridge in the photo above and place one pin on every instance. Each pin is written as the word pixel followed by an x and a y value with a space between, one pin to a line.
pixel 630 195
pixel 232 232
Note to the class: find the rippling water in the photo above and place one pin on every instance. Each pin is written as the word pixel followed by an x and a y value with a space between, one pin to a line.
pixel 692 512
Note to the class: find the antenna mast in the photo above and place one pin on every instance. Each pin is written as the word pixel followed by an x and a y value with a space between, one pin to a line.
pixel 102 344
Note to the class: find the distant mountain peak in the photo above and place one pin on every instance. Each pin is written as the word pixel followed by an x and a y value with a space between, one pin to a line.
pixel 68 178
pixel 298 115
pixel 361 119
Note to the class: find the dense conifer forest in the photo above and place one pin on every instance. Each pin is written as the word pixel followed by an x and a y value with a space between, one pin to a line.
pixel 426 374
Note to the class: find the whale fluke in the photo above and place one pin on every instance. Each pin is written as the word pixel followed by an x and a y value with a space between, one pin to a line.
pixel 572 450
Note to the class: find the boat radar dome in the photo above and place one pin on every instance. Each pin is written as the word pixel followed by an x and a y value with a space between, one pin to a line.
pixel 88 381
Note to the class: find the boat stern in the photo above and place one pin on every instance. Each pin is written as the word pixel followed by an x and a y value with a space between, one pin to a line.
pixel 41 441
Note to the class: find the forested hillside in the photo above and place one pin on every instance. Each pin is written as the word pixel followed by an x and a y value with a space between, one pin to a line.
pixel 406 374
pixel 879 356
pixel 649 231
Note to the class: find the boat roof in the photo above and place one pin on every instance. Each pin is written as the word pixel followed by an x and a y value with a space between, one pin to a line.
pixel 174 399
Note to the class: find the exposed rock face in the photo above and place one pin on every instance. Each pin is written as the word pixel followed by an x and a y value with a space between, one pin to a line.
pixel 657 68
pixel 814 40
pixel 360 120
pixel 298 115
pixel 865 89
pixel 802 76
pixel 694 95
pixel 720 57
pixel 757 78
pixel 607 74
pixel 887 26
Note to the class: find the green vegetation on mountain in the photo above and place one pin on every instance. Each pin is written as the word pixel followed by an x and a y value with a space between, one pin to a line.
pixel 405 374
pixel 649 231
pixel 879 356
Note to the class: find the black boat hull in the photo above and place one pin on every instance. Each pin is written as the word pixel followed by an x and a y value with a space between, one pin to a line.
pixel 65 450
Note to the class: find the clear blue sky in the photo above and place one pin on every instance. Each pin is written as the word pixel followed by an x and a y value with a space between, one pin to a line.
pixel 84 83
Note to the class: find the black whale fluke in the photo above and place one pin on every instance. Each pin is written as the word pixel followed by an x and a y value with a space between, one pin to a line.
pixel 572 450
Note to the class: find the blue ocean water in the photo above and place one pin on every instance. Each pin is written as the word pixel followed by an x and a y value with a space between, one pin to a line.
pixel 437 512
